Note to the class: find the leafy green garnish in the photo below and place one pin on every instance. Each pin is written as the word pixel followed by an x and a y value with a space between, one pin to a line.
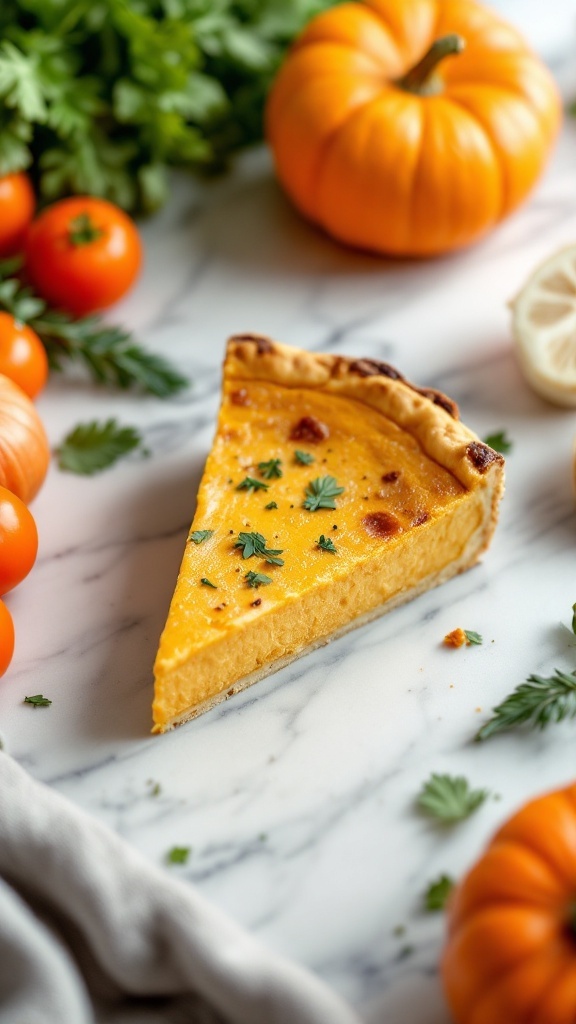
pixel 199 536
pixel 257 579
pixel 574 618
pixel 109 353
pixel 321 492
pixel 270 505
pixel 538 702
pixel 255 544
pixel 449 797
pixel 38 701
pixel 437 893
pixel 207 583
pixel 471 637
pixel 270 469
pixel 251 485
pixel 101 96
pixel 92 447
pixel 499 442
pixel 178 855
pixel 326 544
pixel 304 458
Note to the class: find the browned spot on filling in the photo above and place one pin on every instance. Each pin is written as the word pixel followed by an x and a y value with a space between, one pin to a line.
pixel 256 603
pixel 374 368
pixel 391 478
pixel 240 397
pixel 309 429
pixel 422 517
pixel 381 524
pixel 262 344
pixel 481 456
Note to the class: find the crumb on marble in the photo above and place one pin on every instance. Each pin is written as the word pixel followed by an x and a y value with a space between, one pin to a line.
pixel 457 638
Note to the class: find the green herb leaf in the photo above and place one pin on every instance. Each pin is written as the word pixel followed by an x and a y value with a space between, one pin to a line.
pixel 254 544
pixel 326 544
pixel 109 353
pixel 449 798
pixel 304 458
pixel 499 442
pixel 437 893
pixel 38 701
pixel 472 638
pixel 321 492
pixel 270 469
pixel 178 855
pixel 207 583
pixel 251 485
pixel 574 618
pixel 538 702
pixel 92 447
pixel 270 505
pixel 257 579
pixel 199 536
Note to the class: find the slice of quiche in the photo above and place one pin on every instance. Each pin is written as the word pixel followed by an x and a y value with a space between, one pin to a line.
pixel 335 490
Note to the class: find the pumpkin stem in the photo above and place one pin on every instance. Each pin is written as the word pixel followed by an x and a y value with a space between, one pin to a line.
pixel 421 78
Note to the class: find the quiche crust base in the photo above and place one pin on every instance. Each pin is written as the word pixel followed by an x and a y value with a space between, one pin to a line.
pixel 189 683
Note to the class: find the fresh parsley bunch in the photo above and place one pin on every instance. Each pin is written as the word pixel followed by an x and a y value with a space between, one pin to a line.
pixel 100 96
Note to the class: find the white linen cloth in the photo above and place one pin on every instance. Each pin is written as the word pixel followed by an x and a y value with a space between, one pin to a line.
pixel 92 932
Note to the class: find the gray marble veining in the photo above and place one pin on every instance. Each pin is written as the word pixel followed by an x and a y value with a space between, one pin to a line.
pixel 297 797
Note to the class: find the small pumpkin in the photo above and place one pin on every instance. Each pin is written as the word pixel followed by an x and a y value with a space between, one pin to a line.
pixel 510 956
pixel 24 449
pixel 410 127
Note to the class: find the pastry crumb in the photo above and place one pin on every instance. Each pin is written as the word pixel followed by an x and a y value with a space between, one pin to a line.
pixel 457 638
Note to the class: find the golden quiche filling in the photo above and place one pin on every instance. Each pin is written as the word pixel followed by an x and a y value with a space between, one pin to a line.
pixel 334 491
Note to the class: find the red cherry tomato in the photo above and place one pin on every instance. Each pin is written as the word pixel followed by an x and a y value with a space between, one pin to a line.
pixel 22 355
pixel 6 638
pixel 18 540
pixel 17 205
pixel 83 254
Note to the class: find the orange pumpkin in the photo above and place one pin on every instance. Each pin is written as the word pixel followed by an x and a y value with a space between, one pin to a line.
pixel 410 127
pixel 24 450
pixel 510 956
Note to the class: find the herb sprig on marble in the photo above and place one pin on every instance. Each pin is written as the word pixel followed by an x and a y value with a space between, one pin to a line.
pixel 537 703
pixel 109 353
pixel 95 446
pixel 449 798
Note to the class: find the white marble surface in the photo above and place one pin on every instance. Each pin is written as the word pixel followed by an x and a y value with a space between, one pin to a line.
pixel 297 796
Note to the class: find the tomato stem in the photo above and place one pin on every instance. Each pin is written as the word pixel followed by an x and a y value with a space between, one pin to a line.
pixel 82 230
pixel 421 78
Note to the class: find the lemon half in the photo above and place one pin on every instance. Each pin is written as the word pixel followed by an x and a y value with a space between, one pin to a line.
pixel 544 325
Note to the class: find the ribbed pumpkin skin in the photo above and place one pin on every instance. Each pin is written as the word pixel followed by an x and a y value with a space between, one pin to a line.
pixel 510 955
pixel 387 170
pixel 24 449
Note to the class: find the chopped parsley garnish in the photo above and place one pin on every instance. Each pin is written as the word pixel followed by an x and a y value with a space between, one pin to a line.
pixel 326 544
pixel 450 798
pixel 499 442
pixel 538 702
pixel 304 458
pixel 178 855
pixel 207 583
pixel 321 492
pixel 437 893
pixel 472 637
pixel 38 701
pixel 270 469
pixel 271 504
pixel 257 579
pixel 250 484
pixel 199 536
pixel 255 544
